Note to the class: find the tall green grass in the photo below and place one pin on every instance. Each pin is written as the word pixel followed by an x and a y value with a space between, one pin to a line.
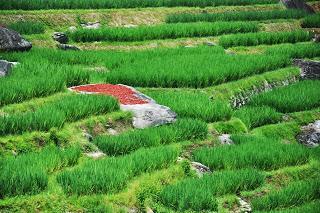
pixel 236 16
pixel 27 27
pixel 312 21
pixel 28 174
pixel 294 194
pixel 98 4
pixel 199 194
pixel 300 96
pixel 253 39
pixel 253 152
pixel 257 116
pixel 303 50
pixel 68 108
pixel 165 31
pixel 110 175
pixel 184 129
pixel 193 104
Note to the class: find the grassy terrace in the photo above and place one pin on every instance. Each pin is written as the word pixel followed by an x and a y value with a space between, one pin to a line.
pixel 198 57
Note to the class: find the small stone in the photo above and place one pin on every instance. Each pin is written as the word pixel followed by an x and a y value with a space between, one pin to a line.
pixel 225 139
pixel 91 25
pixel 95 155
pixel 210 44
pixel 5 68
pixel 200 168
pixel 67 47
pixel 112 131
pixel 60 37
pixel 244 205
pixel 88 136
pixel 316 38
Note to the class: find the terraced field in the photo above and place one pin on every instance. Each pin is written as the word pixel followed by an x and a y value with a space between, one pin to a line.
pixel 247 127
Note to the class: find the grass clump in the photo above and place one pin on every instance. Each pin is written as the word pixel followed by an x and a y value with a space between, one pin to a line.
pixel 233 126
pixel 253 152
pixel 55 114
pixel 257 116
pixel 253 39
pixel 193 105
pixel 28 174
pixel 294 194
pixel 312 21
pixel 168 31
pixel 199 194
pixel 304 50
pixel 184 129
pixel 112 174
pixel 98 4
pixel 300 96
pixel 28 27
pixel 236 16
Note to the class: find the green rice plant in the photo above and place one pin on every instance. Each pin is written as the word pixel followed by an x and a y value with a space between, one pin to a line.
pixel 28 174
pixel 282 131
pixel 294 194
pixel 165 31
pixel 55 114
pixel 192 104
pixel 236 16
pixel 312 21
pixel 312 207
pixel 257 116
pixel 300 96
pixel 233 126
pixel 253 152
pixel 28 27
pixel 199 194
pixel 98 4
pixel 253 39
pixel 184 129
pixel 110 175
pixel 304 50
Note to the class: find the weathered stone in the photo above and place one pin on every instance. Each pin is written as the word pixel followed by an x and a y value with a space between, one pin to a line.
pixel 200 168
pixel 91 25
pixel 298 4
pixel 210 44
pixel 5 68
pixel 310 134
pixel 60 37
pixel 309 69
pixel 112 131
pixel 95 155
pixel 12 41
pixel 244 206
pixel 88 136
pixel 225 139
pixel 67 47
pixel 316 38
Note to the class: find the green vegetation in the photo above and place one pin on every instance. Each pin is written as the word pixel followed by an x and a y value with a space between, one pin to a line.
pixel 68 108
pixel 181 196
pixel 253 39
pixel 300 96
pixel 257 116
pixel 96 4
pixel 312 21
pixel 304 50
pixel 28 174
pixel 192 104
pixel 165 31
pixel 293 195
pixel 184 129
pixel 233 126
pixel 28 27
pixel 236 16
pixel 253 152
pixel 111 174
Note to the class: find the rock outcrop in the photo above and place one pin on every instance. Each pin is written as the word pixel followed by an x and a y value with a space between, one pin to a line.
pixel 12 41
pixel 310 134
pixel 298 4
pixel 308 69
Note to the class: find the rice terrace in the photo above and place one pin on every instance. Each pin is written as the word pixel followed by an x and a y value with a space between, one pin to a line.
pixel 160 106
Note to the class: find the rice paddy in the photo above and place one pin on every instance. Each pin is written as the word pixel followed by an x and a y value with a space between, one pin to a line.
pixel 222 69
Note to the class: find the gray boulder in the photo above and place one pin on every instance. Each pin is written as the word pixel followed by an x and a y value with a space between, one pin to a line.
pixel 298 4
pixel 67 47
pixel 62 38
pixel 225 139
pixel 5 67
pixel 310 134
pixel 12 41
pixel 308 69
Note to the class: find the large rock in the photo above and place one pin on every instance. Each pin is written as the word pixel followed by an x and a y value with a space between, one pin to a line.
pixel 309 69
pixel 12 41
pixel 310 134
pixel 62 38
pixel 298 4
